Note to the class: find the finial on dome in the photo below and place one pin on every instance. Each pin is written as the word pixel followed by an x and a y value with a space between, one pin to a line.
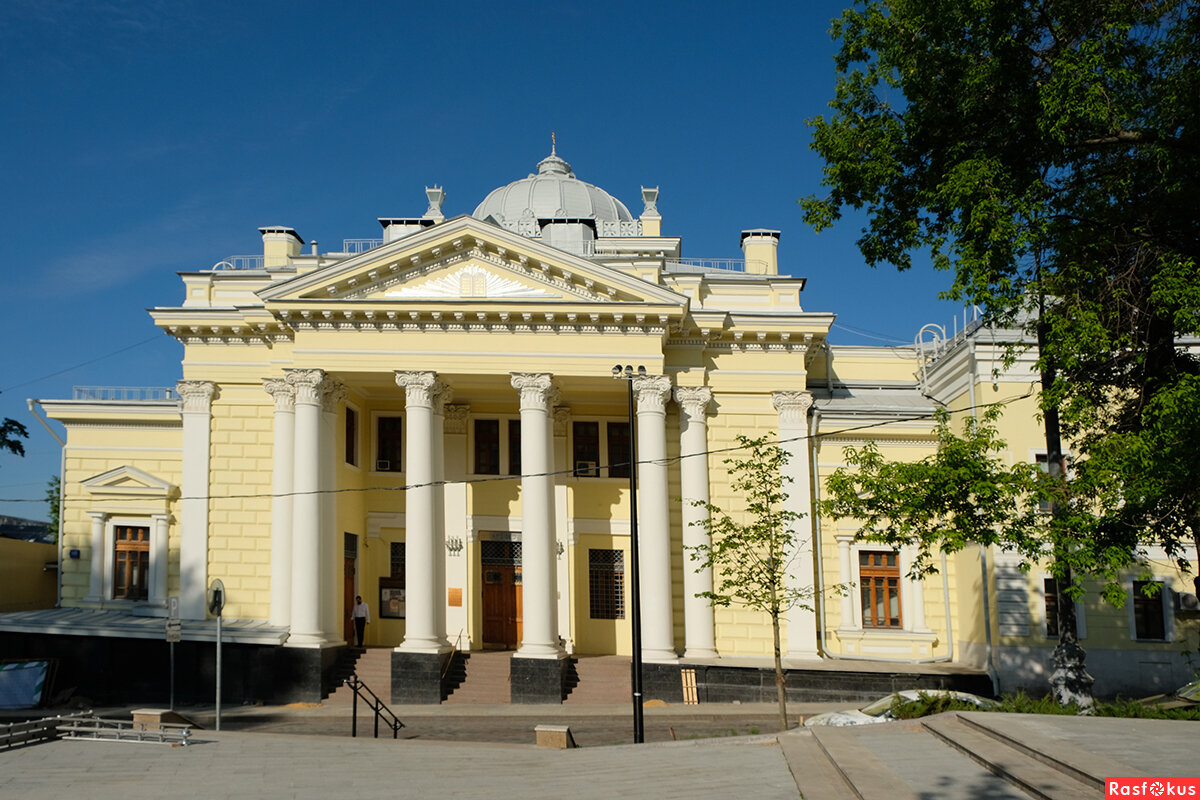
pixel 552 164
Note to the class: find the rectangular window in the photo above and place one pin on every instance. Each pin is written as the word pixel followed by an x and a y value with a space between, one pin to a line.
pixel 514 447
pixel 585 437
pixel 879 583
pixel 618 449
pixel 606 584
pixel 391 588
pixel 131 562
pixel 1050 587
pixel 397 562
pixel 350 545
pixel 1149 622
pixel 351 436
pixel 389 432
pixel 487 447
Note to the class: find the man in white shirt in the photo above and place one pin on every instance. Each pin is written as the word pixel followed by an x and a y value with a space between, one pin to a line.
pixel 361 616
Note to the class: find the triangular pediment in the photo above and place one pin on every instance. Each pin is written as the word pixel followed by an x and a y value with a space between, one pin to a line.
pixel 468 260
pixel 129 481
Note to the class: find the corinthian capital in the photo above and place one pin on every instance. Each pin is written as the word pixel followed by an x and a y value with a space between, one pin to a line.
pixel 536 388
pixel 694 400
pixel 792 405
pixel 652 392
pixel 283 392
pixel 308 384
pixel 421 389
pixel 332 392
pixel 197 395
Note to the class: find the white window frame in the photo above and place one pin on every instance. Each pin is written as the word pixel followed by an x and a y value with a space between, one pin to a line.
pixel 504 420
pixel 158 560
pixel 358 448
pixel 375 417
pixel 1168 607
pixel 1080 615
pixel 601 467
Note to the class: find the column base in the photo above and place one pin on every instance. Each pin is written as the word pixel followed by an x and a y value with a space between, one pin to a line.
pixel 312 641
pixel 660 656
pixel 700 652
pixel 417 677
pixel 537 680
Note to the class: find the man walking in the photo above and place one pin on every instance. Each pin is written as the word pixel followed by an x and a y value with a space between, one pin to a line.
pixel 361 616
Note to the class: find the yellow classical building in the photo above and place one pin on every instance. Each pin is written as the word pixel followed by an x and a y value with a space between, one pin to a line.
pixel 430 420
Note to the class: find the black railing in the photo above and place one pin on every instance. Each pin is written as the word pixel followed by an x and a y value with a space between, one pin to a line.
pixel 360 689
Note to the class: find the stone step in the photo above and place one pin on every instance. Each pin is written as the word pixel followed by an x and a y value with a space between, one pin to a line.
pixel 487 680
pixel 816 776
pixel 601 679
pixel 1042 778
pixel 374 668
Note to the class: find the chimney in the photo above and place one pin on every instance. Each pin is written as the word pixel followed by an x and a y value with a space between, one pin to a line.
pixel 760 248
pixel 280 245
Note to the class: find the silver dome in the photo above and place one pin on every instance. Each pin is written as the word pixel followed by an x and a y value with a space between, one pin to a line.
pixel 553 192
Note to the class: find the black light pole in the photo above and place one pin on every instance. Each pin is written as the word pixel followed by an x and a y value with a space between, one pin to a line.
pixel 627 374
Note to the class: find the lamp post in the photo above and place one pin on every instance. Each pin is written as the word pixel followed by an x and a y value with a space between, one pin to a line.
pixel 627 374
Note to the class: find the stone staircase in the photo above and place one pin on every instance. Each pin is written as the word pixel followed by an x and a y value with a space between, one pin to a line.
pixel 374 668
pixel 974 754
pixel 598 679
pixel 485 681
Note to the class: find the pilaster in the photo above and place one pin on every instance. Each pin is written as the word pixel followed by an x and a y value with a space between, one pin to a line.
pixel 196 410
pixel 793 407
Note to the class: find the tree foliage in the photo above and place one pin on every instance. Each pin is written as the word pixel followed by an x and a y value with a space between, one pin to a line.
pixel 751 554
pixel 53 498
pixel 11 434
pixel 1047 154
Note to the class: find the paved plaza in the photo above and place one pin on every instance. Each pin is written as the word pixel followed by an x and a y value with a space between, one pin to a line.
pixel 469 752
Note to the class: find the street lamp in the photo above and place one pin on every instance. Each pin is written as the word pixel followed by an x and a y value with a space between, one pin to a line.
pixel 627 374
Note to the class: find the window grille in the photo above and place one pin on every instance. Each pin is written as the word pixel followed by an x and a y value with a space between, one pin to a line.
pixel 606 584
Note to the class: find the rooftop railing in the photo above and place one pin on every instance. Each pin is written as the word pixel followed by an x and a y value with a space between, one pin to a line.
pixel 239 262
pixel 128 394
pixel 707 264
pixel 356 246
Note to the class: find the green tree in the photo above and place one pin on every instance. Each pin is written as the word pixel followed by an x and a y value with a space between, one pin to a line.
pixel 1048 155
pixel 962 494
pixel 11 434
pixel 750 555
pixel 54 503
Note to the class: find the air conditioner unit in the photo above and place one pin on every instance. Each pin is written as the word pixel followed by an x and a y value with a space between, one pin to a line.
pixel 383 466
pixel 1185 601
pixel 585 468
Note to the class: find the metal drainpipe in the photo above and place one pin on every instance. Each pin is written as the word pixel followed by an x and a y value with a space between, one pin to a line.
pixel 989 664
pixel 813 425
pixel 62 468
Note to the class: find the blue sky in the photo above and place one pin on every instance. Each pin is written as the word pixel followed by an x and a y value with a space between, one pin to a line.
pixel 151 137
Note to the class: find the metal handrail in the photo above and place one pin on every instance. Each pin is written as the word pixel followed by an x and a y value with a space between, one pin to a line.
pixel 354 246
pixel 710 264
pixel 377 706
pixel 124 393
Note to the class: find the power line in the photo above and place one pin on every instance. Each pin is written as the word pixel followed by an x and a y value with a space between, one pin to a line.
pixel 83 364
pixel 556 473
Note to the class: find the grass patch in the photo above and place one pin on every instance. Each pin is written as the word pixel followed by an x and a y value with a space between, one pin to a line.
pixel 1021 703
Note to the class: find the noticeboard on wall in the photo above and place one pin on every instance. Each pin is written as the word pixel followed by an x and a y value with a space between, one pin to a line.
pixel 391 598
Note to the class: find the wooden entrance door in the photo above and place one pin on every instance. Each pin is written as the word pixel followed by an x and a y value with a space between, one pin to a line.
pixel 348 599
pixel 501 600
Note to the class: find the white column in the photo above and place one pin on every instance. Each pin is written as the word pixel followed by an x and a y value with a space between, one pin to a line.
pixel 193 523
pixel 562 533
pixel 158 559
pixel 454 509
pixel 539 613
pixel 283 468
pixel 306 509
pixel 425 609
pixel 654 520
pixel 916 597
pixel 698 634
pixel 845 578
pixel 793 438
pixel 438 451
pixel 332 540
pixel 99 559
